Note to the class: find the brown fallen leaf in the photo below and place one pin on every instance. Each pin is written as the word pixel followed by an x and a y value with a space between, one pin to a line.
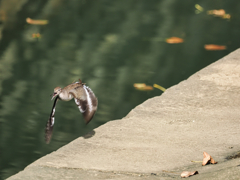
pixel 207 159
pixel 142 87
pixel 212 161
pixel 174 40
pixel 185 174
pixel 36 35
pixel 219 13
pixel 148 88
pixel 36 22
pixel 214 47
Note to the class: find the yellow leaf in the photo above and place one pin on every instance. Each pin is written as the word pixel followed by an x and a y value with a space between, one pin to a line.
pixel 36 22
pixel 142 87
pixel 159 87
pixel 198 7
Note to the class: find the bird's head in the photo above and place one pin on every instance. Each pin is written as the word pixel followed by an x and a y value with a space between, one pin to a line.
pixel 57 91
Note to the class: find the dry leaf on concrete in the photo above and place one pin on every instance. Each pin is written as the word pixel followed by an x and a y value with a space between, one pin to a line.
pixel 185 174
pixel 212 161
pixel 207 159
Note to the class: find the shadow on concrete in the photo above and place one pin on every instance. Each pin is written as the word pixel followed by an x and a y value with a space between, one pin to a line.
pixel 89 135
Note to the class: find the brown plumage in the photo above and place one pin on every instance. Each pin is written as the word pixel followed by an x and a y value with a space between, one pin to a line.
pixel 84 98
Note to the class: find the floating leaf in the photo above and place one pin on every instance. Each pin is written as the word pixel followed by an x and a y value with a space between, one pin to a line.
pixel 159 87
pixel 148 88
pixel 139 85
pixel 214 47
pixel 219 13
pixel 199 9
pixel 142 87
pixel 174 40
pixel 185 174
pixel 226 16
pixel 36 22
pixel 36 35
pixel 207 159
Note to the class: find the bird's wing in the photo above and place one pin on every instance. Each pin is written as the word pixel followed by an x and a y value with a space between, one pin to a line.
pixel 87 103
pixel 50 123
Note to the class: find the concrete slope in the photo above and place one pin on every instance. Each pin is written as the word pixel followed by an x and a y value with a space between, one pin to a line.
pixel 159 138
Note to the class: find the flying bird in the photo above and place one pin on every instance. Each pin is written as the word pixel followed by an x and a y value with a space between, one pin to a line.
pixel 84 98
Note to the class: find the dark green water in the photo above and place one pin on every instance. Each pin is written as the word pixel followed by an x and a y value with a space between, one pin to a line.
pixel 110 45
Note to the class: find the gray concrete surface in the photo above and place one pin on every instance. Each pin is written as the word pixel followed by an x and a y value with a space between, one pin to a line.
pixel 159 138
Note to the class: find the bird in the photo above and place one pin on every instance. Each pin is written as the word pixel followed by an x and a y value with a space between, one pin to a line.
pixel 84 98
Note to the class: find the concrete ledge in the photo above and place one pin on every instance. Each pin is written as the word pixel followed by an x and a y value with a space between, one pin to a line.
pixel 160 137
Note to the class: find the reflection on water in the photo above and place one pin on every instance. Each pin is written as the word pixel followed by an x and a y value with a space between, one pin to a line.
pixel 110 45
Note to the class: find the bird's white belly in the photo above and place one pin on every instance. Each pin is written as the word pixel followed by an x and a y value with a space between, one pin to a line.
pixel 65 97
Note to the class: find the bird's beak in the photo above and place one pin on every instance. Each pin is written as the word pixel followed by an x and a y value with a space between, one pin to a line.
pixel 53 95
